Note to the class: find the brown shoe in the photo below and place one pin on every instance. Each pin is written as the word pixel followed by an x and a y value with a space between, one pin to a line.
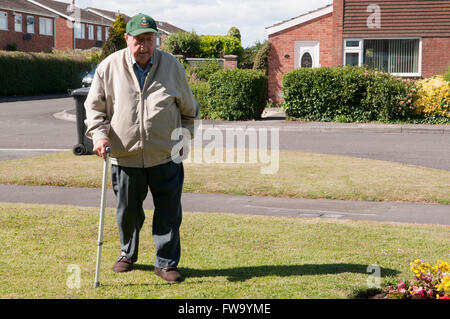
pixel 170 274
pixel 123 264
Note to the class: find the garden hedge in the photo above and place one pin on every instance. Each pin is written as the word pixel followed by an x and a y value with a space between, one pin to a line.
pixel 346 94
pixel 40 73
pixel 237 95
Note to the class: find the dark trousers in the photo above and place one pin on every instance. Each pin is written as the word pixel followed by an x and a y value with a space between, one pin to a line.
pixel 131 187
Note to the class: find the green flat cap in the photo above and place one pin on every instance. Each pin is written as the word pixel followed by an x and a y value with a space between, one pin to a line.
pixel 141 23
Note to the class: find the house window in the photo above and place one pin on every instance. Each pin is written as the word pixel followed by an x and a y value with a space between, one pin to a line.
pixel 80 32
pixel 18 22
pixel 91 32
pixel 30 24
pixel 106 33
pixel 396 56
pixel 45 26
pixel 3 21
pixel 400 57
pixel 99 33
pixel 352 52
pixel 306 61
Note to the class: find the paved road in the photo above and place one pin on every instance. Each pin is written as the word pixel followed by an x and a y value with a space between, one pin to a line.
pixel 31 125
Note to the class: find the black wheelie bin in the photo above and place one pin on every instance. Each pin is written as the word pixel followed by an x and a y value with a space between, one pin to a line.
pixel 84 145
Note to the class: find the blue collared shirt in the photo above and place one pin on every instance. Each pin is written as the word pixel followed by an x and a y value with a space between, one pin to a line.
pixel 141 73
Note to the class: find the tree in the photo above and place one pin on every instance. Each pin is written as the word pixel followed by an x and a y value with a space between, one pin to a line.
pixel 248 55
pixel 234 32
pixel 116 40
pixel 261 57
pixel 183 43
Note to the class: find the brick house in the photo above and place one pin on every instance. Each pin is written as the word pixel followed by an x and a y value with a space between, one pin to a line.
pixel 404 38
pixel 26 26
pixel 75 28
pixel 164 28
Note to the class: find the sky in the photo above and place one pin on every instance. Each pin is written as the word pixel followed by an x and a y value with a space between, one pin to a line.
pixel 214 17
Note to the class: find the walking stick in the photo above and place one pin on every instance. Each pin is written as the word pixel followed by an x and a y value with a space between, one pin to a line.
pixel 102 215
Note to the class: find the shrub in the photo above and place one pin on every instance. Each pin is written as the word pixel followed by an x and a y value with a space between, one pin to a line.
pixel 211 46
pixel 433 97
pixel 447 75
pixel 45 73
pixel 11 47
pixel 261 58
pixel 234 32
pixel 203 70
pixel 346 94
pixel 183 43
pixel 200 90
pixel 237 94
pixel 247 59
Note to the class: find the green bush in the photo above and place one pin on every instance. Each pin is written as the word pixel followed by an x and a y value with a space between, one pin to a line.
pixel 237 94
pixel 346 94
pixel 40 73
pixel 447 75
pixel 183 43
pixel 203 70
pixel 200 90
pixel 260 61
pixel 211 46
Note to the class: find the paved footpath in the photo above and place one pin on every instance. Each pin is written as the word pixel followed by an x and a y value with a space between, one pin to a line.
pixel 415 213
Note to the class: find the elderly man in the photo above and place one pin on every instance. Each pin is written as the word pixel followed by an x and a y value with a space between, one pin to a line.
pixel 138 97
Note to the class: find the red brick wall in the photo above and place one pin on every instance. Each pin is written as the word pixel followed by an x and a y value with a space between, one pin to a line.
pixel 435 56
pixel 64 34
pixel 37 42
pixel 337 27
pixel 281 55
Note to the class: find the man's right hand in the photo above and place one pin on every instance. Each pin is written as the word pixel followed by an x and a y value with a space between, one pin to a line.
pixel 100 148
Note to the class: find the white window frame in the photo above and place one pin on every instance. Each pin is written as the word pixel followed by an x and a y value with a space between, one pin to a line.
pixel 18 27
pixel 30 26
pixel 99 33
pixel 4 18
pixel 310 46
pixel 79 30
pixel 360 50
pixel 45 26
pixel 90 32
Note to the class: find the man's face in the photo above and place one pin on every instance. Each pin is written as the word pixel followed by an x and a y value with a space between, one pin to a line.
pixel 141 46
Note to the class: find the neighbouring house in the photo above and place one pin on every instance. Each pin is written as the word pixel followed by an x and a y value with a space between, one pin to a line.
pixel 404 38
pixel 164 28
pixel 75 28
pixel 25 26
pixel 44 25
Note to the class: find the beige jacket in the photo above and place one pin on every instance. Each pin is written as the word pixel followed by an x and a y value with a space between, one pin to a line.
pixel 139 124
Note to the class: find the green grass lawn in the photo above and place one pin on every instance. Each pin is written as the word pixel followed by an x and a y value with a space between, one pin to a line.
pixel 223 255
pixel 300 175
